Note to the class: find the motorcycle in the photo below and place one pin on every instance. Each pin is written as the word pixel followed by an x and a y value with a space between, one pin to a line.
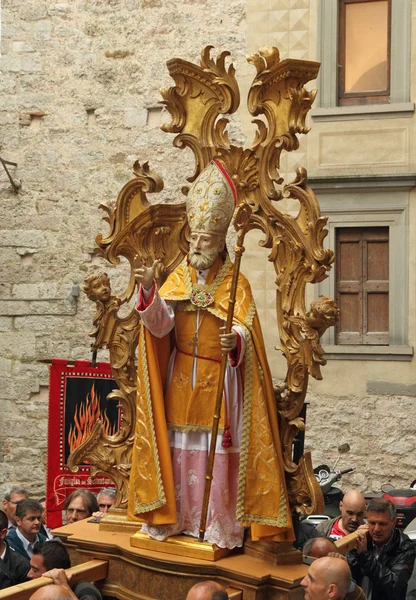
pixel 411 530
pixel 404 501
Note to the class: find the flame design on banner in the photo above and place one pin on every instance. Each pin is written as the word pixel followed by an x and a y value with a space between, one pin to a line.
pixel 85 417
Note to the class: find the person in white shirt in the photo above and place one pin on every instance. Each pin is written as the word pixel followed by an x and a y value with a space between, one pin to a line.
pixel 28 521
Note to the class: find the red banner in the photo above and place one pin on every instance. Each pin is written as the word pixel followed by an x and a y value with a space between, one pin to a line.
pixel 77 399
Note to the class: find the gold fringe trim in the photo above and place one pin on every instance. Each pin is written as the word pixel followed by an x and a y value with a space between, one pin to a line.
pixel 161 501
pixel 281 520
pixel 245 433
pixel 145 508
pixel 188 428
pixel 250 315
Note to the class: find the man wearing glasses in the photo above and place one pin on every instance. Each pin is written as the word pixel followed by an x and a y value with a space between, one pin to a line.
pixel 106 498
pixel 10 500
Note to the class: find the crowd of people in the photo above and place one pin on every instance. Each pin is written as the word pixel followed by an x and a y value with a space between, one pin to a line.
pixel 379 568
pixel 28 550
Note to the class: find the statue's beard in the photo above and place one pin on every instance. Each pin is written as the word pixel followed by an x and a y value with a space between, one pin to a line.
pixel 202 260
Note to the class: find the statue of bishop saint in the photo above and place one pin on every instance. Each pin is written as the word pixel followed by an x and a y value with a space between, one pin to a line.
pixel 180 345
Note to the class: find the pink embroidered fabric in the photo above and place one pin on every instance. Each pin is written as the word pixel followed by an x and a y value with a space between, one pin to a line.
pixel 189 469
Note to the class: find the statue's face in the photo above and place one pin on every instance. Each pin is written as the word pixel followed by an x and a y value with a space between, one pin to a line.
pixel 100 289
pixel 204 249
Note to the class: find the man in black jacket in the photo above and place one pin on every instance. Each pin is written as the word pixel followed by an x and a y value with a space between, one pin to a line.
pixel 383 562
pixel 13 566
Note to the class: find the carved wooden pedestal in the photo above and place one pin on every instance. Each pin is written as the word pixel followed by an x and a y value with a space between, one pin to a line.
pixel 148 575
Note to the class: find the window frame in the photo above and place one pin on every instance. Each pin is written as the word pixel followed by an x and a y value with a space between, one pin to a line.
pixel 359 98
pixel 370 202
pixel 327 108
pixel 361 287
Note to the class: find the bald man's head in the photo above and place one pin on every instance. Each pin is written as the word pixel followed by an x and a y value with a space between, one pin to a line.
pixel 206 590
pixel 352 508
pixel 319 547
pixel 52 592
pixel 327 579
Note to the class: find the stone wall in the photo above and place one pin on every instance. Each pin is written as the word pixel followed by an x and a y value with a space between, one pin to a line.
pixel 79 87
pixel 380 429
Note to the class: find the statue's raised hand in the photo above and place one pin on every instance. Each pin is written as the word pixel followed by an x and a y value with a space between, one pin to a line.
pixel 145 275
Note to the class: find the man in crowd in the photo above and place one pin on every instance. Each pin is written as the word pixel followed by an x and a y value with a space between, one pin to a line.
pixel 43 529
pixel 47 556
pixel 352 508
pixel 13 566
pixel 207 590
pixel 50 559
pixel 328 578
pixel 28 521
pixel 61 583
pixel 320 547
pixel 53 592
pixel 383 561
pixel 10 500
pixel 106 498
pixel 80 505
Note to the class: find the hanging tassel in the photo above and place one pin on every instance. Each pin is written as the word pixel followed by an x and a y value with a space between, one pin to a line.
pixel 227 441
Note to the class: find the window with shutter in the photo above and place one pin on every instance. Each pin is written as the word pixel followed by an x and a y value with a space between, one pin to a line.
pixel 362 285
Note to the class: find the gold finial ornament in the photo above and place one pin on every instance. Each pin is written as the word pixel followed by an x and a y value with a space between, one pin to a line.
pixel 142 232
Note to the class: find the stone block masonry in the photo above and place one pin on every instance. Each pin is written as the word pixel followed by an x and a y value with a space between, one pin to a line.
pixel 380 428
pixel 77 80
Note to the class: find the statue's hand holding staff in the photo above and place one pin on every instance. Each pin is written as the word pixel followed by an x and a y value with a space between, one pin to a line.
pixel 228 341
pixel 146 275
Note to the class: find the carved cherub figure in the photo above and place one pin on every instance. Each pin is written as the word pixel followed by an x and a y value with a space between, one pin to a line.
pixel 97 287
pixel 323 313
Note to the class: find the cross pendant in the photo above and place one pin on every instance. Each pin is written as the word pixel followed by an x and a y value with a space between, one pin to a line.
pixel 194 343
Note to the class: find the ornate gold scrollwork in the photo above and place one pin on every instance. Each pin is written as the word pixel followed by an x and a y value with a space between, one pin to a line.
pixel 143 232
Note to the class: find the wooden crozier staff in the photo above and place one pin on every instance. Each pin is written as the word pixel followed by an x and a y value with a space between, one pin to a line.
pixel 241 224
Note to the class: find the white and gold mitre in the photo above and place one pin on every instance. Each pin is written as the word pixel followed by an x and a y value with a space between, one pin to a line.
pixel 211 200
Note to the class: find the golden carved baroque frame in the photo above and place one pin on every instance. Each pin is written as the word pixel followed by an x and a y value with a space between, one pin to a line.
pixel 141 231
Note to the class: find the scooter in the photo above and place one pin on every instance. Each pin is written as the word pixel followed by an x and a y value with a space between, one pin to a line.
pixel 332 494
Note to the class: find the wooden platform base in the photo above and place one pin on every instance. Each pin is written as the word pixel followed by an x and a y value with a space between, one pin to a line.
pixel 147 574
pixel 180 545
